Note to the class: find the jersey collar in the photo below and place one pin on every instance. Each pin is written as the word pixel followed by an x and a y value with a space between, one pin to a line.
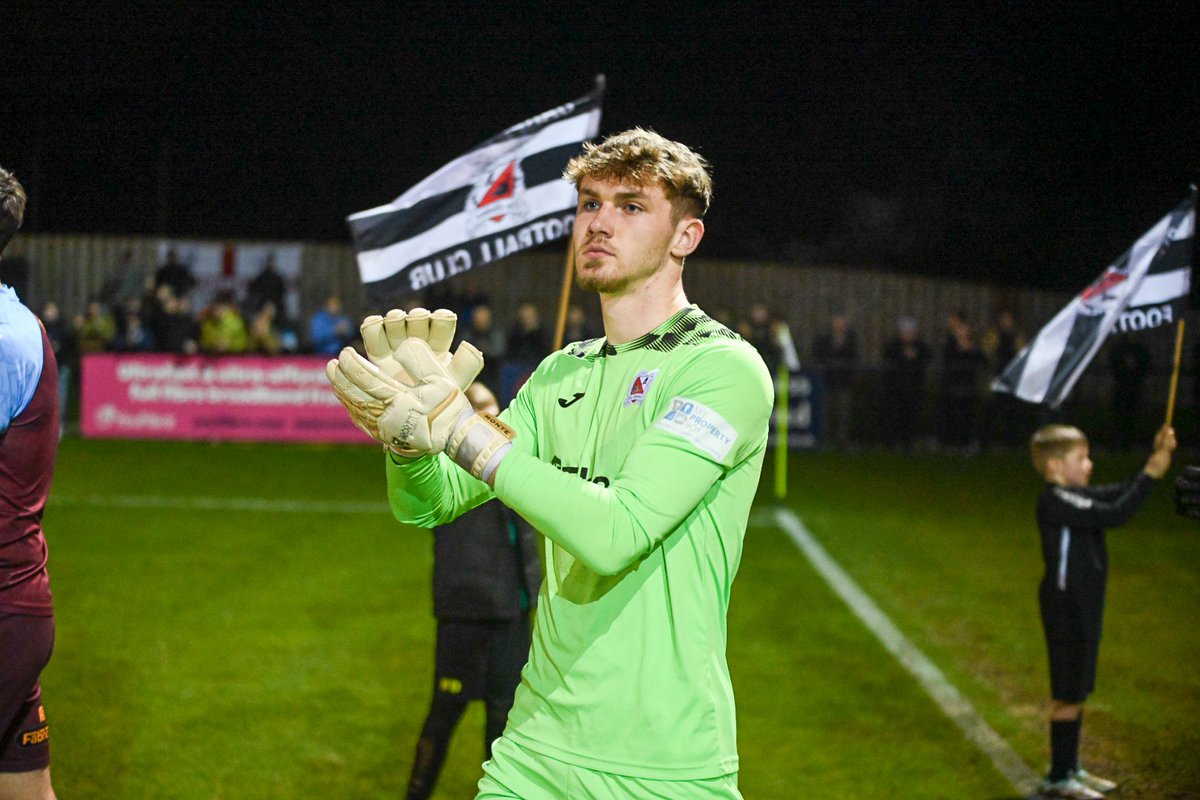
pixel 651 337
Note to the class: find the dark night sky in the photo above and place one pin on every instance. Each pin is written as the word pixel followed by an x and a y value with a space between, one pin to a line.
pixel 1026 146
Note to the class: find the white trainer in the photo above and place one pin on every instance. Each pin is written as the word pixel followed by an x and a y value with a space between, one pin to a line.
pixel 1069 788
pixel 1094 781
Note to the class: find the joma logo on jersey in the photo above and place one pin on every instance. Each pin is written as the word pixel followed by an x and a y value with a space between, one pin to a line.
pixel 582 472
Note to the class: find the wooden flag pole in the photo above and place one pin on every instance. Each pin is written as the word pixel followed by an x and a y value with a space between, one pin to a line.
pixel 1175 374
pixel 564 299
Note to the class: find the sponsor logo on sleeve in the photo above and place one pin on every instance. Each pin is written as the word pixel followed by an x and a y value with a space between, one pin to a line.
pixel 35 737
pixel 700 425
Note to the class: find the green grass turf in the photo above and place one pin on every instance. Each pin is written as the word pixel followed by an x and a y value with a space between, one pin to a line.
pixel 222 653
pixel 948 547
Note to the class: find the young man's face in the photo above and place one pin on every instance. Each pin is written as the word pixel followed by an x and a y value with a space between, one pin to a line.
pixel 1075 467
pixel 623 234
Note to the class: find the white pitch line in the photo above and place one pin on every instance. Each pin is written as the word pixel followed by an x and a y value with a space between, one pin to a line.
pixel 953 704
pixel 182 503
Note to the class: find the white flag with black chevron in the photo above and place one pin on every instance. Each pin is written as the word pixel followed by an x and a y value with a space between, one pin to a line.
pixel 1139 290
pixel 506 195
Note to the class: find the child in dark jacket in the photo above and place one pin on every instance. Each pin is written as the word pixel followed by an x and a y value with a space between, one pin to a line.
pixel 1072 518
pixel 486 576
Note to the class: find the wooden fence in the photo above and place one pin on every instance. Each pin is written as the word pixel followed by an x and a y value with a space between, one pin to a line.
pixel 71 268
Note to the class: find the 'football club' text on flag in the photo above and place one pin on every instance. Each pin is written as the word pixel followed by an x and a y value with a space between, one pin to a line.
pixel 1138 291
pixel 504 196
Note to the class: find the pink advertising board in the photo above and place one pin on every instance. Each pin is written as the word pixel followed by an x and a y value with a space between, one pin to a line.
pixel 254 398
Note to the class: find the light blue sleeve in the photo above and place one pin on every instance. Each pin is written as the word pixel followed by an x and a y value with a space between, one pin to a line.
pixel 20 356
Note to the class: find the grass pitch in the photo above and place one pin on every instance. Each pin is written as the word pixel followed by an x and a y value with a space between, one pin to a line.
pixel 247 621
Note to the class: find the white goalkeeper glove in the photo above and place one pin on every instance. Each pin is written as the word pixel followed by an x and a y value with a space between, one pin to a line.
pixel 382 335
pixel 432 416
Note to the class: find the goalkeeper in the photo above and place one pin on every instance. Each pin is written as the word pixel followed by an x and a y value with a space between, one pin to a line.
pixel 637 456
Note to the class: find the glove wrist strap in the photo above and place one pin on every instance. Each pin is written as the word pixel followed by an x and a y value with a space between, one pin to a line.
pixel 479 443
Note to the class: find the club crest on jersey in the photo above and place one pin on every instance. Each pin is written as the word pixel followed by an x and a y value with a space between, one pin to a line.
pixel 497 200
pixel 641 384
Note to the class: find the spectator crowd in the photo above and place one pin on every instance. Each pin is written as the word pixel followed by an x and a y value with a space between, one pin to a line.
pixel 916 393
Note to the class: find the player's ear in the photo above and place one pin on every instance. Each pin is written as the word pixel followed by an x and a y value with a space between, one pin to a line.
pixel 1053 467
pixel 688 233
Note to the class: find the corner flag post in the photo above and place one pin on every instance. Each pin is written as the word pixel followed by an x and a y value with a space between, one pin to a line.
pixel 781 431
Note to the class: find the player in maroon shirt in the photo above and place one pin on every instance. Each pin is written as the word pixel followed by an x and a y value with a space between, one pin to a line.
pixel 29 427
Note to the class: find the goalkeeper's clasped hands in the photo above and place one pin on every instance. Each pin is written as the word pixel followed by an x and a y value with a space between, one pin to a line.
pixel 409 395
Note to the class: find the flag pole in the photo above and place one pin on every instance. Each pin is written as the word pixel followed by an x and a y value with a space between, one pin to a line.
pixel 560 326
pixel 564 299
pixel 1175 374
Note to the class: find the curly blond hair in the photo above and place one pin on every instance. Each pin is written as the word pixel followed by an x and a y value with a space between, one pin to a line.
pixel 12 206
pixel 1053 441
pixel 644 157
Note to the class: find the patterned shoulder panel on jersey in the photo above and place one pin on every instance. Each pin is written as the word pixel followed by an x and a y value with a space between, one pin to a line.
pixel 584 349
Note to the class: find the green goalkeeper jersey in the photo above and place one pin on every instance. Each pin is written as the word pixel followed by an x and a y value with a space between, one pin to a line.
pixel 638 462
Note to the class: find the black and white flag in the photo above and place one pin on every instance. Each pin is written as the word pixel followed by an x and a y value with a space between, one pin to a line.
pixel 1138 291
pixel 506 195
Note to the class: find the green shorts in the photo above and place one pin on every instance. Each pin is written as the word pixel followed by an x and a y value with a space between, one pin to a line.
pixel 515 773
